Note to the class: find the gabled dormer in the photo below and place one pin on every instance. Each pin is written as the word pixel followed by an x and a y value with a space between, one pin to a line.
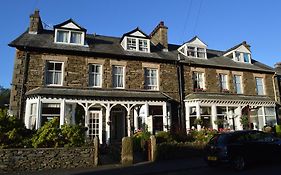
pixel 69 32
pixel 194 48
pixel 239 53
pixel 136 40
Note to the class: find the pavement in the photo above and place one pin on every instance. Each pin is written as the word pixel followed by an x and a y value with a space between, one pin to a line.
pixel 143 168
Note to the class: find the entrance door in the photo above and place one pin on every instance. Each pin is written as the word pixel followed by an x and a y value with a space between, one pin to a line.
pixel 117 126
pixel 95 125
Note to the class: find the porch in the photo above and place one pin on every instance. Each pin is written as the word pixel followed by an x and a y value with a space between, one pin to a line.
pixel 109 115
pixel 224 111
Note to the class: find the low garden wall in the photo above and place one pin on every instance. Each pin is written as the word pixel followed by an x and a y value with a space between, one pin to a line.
pixel 36 159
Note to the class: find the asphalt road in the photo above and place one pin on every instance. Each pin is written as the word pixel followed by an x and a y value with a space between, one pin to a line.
pixel 260 169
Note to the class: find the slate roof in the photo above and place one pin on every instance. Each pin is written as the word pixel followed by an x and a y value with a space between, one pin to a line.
pixel 98 93
pixel 98 44
pixel 214 96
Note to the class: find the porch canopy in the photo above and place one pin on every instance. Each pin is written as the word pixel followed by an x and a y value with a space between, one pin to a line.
pixel 230 99
pixel 97 93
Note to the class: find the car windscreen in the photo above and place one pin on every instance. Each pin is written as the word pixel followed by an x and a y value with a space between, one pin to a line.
pixel 219 139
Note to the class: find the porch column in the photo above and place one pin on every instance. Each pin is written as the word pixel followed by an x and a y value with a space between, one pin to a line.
pixel 62 112
pixel 86 116
pixel 107 124
pixel 136 121
pixel 198 116
pixel 214 116
pixel 38 116
pixel 165 118
pixel 128 125
pixel 187 114
pixel 263 116
pixel 238 112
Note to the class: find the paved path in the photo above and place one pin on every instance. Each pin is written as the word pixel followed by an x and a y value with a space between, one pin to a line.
pixel 144 168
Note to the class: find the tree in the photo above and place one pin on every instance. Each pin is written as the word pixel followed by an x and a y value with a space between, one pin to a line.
pixel 4 97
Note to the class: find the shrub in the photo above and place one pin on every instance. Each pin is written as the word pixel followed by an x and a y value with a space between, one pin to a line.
pixel 140 140
pixel 202 136
pixel 73 135
pixel 13 133
pixel 48 136
pixel 178 150
pixel 163 136
pixel 278 130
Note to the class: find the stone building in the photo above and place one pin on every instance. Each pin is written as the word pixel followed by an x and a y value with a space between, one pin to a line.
pixel 117 85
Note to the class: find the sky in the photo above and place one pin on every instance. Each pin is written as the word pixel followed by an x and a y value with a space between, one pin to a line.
pixel 220 24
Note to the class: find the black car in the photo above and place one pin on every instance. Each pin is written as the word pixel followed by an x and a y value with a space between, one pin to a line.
pixel 239 148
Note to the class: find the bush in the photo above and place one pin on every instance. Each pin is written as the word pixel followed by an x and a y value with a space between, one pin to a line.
pixel 202 136
pixel 74 135
pixel 48 136
pixel 13 133
pixel 178 150
pixel 278 130
pixel 140 140
pixel 163 136
pixel 51 136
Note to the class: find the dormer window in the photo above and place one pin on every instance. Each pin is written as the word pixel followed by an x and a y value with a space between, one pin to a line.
pixel 136 40
pixel 69 37
pixel 194 48
pixel 239 53
pixel 69 32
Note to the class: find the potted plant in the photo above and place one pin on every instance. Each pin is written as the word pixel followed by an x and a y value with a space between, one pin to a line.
pixel 244 120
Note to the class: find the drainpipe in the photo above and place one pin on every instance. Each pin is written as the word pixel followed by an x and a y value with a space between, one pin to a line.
pixel 24 79
pixel 181 94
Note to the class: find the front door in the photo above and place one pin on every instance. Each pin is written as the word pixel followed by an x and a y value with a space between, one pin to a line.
pixel 95 125
pixel 117 126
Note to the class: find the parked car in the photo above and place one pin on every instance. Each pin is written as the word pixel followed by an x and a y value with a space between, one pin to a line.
pixel 240 148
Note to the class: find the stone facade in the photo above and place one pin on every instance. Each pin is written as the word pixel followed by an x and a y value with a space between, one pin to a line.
pixel 36 159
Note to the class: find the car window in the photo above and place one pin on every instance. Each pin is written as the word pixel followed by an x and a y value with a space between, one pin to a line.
pixel 219 139
pixel 260 137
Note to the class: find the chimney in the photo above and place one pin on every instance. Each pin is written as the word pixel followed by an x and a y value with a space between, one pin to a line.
pixel 159 36
pixel 246 45
pixel 35 25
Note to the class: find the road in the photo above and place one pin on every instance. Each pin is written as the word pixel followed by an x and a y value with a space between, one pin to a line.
pixel 261 169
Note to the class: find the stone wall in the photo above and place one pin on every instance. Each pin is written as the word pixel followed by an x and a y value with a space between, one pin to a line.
pixel 36 159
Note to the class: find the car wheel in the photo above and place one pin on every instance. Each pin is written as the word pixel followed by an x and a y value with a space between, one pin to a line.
pixel 238 163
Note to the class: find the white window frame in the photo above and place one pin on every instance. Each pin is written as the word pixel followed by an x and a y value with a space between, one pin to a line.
pixel 185 50
pixel 93 125
pixel 262 81
pixel 123 77
pixel 69 37
pixel 222 82
pixel 235 84
pixel 147 50
pixel 93 74
pixel 195 77
pixel 47 72
pixel 148 76
pixel 241 57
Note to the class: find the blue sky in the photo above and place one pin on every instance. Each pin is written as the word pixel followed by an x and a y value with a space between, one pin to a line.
pixel 221 24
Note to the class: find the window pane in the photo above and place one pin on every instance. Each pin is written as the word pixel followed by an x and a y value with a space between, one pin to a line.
pixel 237 84
pixel 150 78
pixel 259 86
pixel 191 51
pixel 62 36
pixel 238 56
pixel 223 81
pixel 76 37
pixel 143 45
pixel 95 75
pixel 131 44
pixel 54 73
pixel 118 76
pixel 246 57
